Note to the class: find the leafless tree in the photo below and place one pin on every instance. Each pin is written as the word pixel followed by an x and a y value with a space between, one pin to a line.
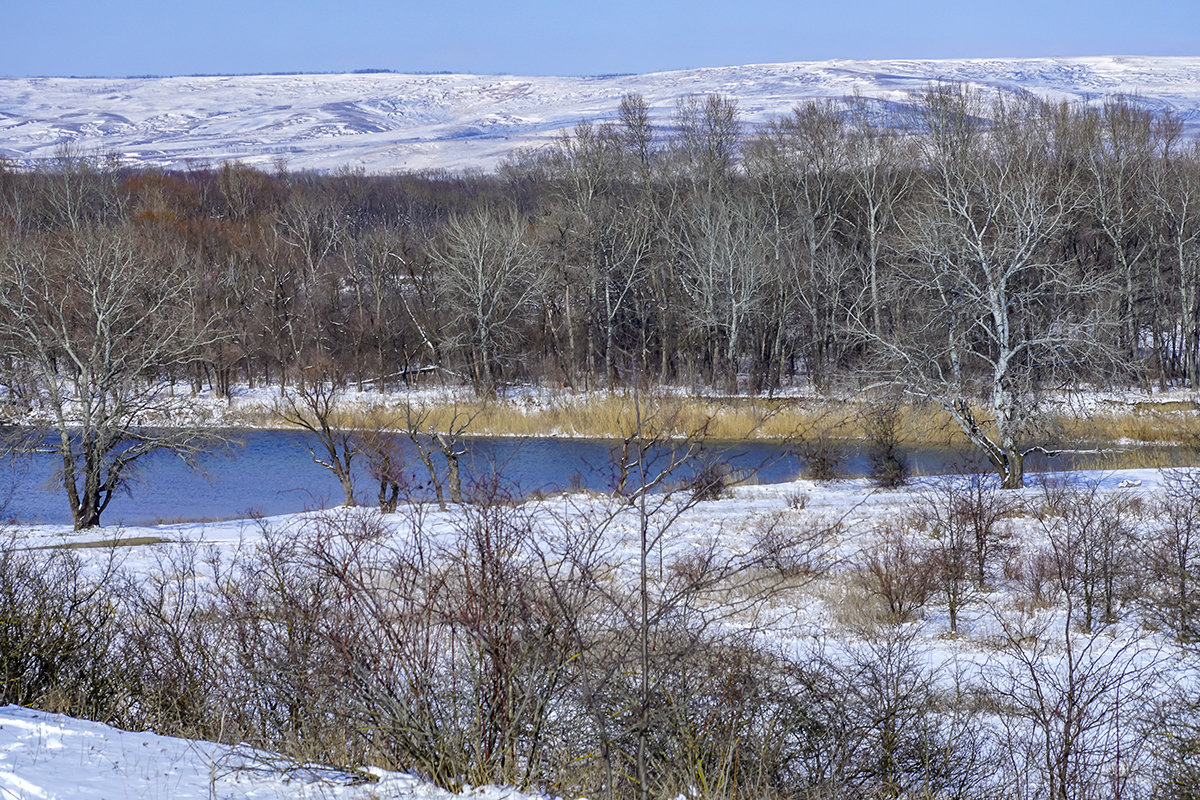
pixel 800 164
pixel 486 272
pixel 723 276
pixel 603 238
pixel 313 404
pixel 973 504
pixel 96 320
pixel 636 132
pixel 429 436
pixel 376 274
pixel 379 440
pixel 1001 316
pixel 1091 541
pixel 1175 193
pixel 877 155
pixel 1120 162
pixel 707 148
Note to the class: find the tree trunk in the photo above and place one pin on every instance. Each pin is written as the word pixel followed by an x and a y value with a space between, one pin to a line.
pixel 86 514
pixel 347 488
pixel 453 478
pixel 389 496
pixel 1012 473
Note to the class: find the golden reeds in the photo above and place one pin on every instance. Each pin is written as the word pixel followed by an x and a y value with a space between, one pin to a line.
pixel 612 415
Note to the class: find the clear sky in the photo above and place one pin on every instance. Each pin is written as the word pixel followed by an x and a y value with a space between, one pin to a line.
pixel 542 37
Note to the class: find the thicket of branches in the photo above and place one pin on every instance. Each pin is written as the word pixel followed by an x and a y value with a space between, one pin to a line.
pixel 1005 241
pixel 509 644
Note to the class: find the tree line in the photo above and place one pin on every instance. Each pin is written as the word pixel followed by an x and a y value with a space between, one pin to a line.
pixel 839 244
pixel 975 252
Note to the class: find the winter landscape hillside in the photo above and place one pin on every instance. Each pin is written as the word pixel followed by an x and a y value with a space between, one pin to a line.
pixel 764 562
pixel 384 122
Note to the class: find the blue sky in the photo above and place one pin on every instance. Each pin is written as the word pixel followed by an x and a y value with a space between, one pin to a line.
pixel 174 37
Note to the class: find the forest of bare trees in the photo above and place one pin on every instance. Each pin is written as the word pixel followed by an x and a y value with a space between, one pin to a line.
pixel 977 240
pixel 974 252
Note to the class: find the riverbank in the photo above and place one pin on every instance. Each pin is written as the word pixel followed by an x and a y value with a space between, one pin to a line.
pixel 1121 418
pixel 798 587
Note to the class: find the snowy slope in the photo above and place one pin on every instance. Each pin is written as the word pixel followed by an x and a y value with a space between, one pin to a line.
pixel 51 757
pixel 384 122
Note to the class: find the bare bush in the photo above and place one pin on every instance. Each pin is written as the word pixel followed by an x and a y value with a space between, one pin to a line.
pixel 962 518
pixel 279 676
pixel 1074 721
pixel 896 571
pixel 794 547
pixel 170 645
pixel 710 481
pixel 876 719
pixel 1171 556
pixel 59 629
pixel 1174 742
pixel 822 458
pixel 888 467
pixel 1090 543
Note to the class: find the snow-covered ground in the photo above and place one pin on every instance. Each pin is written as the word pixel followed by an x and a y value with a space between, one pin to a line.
pixel 43 755
pixel 384 122
pixel 255 407
pixel 54 757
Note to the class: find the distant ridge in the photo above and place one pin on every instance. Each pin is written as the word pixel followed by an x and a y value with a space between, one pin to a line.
pixel 384 121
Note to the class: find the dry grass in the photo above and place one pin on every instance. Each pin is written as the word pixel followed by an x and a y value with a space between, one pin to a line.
pixel 855 608
pixel 614 415
pixel 120 541
pixel 1143 457
pixel 1136 422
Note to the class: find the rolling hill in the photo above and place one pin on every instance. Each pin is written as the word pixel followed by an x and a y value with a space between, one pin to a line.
pixel 383 122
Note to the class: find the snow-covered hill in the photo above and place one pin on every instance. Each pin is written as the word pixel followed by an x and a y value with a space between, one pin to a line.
pixel 384 122
pixel 55 757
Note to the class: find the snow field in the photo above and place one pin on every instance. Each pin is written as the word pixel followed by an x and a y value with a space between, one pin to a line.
pixel 387 122
pixel 826 614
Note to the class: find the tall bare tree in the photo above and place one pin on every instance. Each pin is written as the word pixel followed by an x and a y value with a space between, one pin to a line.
pixel 723 276
pixel 1175 193
pixel 1119 164
pixel 95 319
pixel 877 155
pixel 993 314
pixel 486 272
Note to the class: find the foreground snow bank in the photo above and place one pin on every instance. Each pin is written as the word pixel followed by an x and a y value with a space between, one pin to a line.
pixel 839 598
pixel 54 756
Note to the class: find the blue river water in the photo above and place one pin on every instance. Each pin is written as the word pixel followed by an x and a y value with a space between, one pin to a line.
pixel 272 472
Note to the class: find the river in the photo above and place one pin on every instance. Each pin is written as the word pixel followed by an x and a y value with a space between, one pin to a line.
pixel 272 472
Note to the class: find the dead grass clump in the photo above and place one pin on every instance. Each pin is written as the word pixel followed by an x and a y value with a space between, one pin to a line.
pixel 894 570
pixel 794 547
pixel 854 606
pixel 1036 576
pixel 116 541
